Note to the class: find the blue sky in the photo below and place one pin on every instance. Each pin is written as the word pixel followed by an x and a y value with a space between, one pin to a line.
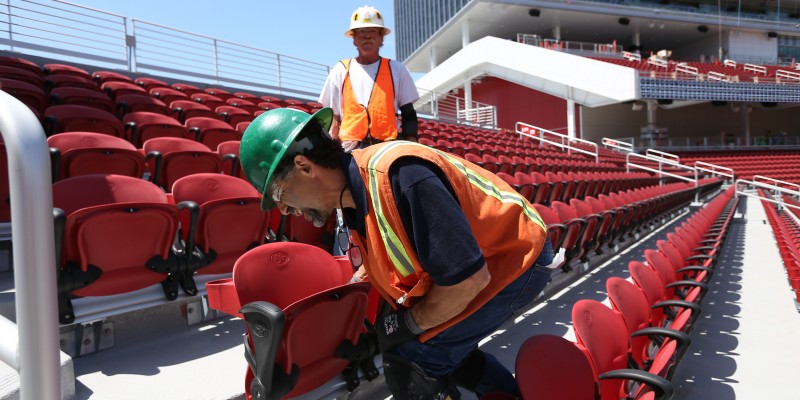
pixel 309 29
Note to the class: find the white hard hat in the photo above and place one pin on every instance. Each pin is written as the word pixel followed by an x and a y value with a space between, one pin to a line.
pixel 366 17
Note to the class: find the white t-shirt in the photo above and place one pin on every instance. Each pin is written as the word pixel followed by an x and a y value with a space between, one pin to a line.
pixel 362 78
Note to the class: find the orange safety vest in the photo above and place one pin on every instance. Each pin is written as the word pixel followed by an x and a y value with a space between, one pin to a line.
pixel 379 118
pixel 507 228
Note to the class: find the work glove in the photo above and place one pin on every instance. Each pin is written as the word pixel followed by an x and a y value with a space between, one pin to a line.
pixel 396 328
pixel 349 145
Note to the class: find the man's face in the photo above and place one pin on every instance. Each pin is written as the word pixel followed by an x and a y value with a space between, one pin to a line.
pixel 368 40
pixel 296 195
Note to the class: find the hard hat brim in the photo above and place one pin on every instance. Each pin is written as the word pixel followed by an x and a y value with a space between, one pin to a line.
pixel 385 31
pixel 325 117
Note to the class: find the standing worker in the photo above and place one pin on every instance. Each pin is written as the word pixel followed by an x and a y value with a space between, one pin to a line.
pixel 366 92
pixel 451 247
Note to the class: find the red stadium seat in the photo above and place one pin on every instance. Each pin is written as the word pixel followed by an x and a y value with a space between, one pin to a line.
pixel 227 221
pixel 167 94
pixel 101 217
pixel 150 83
pixel 20 63
pixel 62 80
pixel 69 118
pixel 142 126
pixel 31 95
pixel 208 100
pixel 22 75
pixel 185 109
pixel 186 88
pixel 247 105
pixel 233 115
pixel 210 131
pixel 169 159
pixel 85 153
pixel 116 88
pixel 129 103
pixel 229 153
pixel 64 69
pixel 288 291
pixel 110 76
pixel 82 97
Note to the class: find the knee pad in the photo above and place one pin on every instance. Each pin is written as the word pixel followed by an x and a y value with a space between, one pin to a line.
pixel 407 381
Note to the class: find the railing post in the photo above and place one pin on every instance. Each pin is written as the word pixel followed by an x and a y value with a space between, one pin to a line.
pixel 10 26
pixel 278 72
pixel 216 63
pixel 33 247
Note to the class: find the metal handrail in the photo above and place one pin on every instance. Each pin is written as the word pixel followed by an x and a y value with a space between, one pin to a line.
pixel 37 351
pixel 447 107
pixel 714 169
pixel 618 144
pixel 524 129
pixel 659 171
pixel 766 186
pixel 776 181
pixel 664 155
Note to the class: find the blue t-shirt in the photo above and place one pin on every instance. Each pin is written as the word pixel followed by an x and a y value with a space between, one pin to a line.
pixel 431 215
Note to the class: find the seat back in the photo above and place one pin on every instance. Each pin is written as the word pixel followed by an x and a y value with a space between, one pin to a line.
pixel 142 126
pixel 179 157
pixel 549 367
pixel 74 118
pixel 116 229
pixel 82 97
pixel 230 219
pixel 301 283
pixel 85 153
pixel 210 131
pixel 31 95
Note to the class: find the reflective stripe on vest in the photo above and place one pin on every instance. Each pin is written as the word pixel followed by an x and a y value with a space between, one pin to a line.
pixel 378 119
pixel 397 252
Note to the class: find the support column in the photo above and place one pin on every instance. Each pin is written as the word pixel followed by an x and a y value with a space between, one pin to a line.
pixel 745 110
pixel 557 32
pixel 652 109
pixel 468 83
pixel 433 58
pixel 571 119
pixel 637 41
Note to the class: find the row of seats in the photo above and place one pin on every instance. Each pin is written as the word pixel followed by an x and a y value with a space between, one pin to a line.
pixel 786 228
pixel 632 348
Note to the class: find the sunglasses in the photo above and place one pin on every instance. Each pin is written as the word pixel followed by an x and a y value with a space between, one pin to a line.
pixel 347 247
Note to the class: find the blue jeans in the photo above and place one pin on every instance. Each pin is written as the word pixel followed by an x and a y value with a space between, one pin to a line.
pixel 445 352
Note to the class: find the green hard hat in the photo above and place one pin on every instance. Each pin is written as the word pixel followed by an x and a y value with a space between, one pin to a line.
pixel 270 138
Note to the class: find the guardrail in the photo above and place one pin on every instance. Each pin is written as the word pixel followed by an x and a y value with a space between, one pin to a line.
pixel 781 191
pixel 618 144
pixel 660 171
pixel 776 182
pixel 447 107
pixel 714 169
pixel 563 142
pixel 756 69
pixel 663 155
pixel 787 74
pixel 34 350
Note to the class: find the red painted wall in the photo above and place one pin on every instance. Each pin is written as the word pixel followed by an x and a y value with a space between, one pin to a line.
pixel 517 103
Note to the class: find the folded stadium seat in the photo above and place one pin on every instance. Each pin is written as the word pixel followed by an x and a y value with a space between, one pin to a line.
pixel 85 153
pixel 459 148
pixel 60 80
pixel 582 185
pixel 594 221
pixel 102 77
pixel 128 103
pixel 22 75
pixel 273 100
pixel 520 165
pixel 684 289
pixel 31 95
pixel 300 107
pixel 555 229
pixel 648 342
pixel 150 83
pixel 68 118
pixel 505 164
pixel 540 186
pixel 232 115
pixel 605 234
pixel 226 215
pixel 570 186
pixel 221 93
pixel 549 367
pixel 242 126
pixel 20 63
pixel 169 159
pixel 229 154
pixel 666 310
pixel 288 291
pixel 490 163
pixel 624 214
pixel 574 237
pixel 186 88
pixel 443 145
pixel 477 160
pixel 247 105
pixel 247 96
pixel 63 69
pixel 82 97
pixel 99 218
pixel 427 142
pixel 167 94
pixel 207 100
pixel 185 109
pixel 116 88
pixel 557 187
pixel 603 334
pixel 266 105
pixel 546 164
pixel 474 149
pixel 689 256
pixel 210 131
pixel 142 126
pixel 294 102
